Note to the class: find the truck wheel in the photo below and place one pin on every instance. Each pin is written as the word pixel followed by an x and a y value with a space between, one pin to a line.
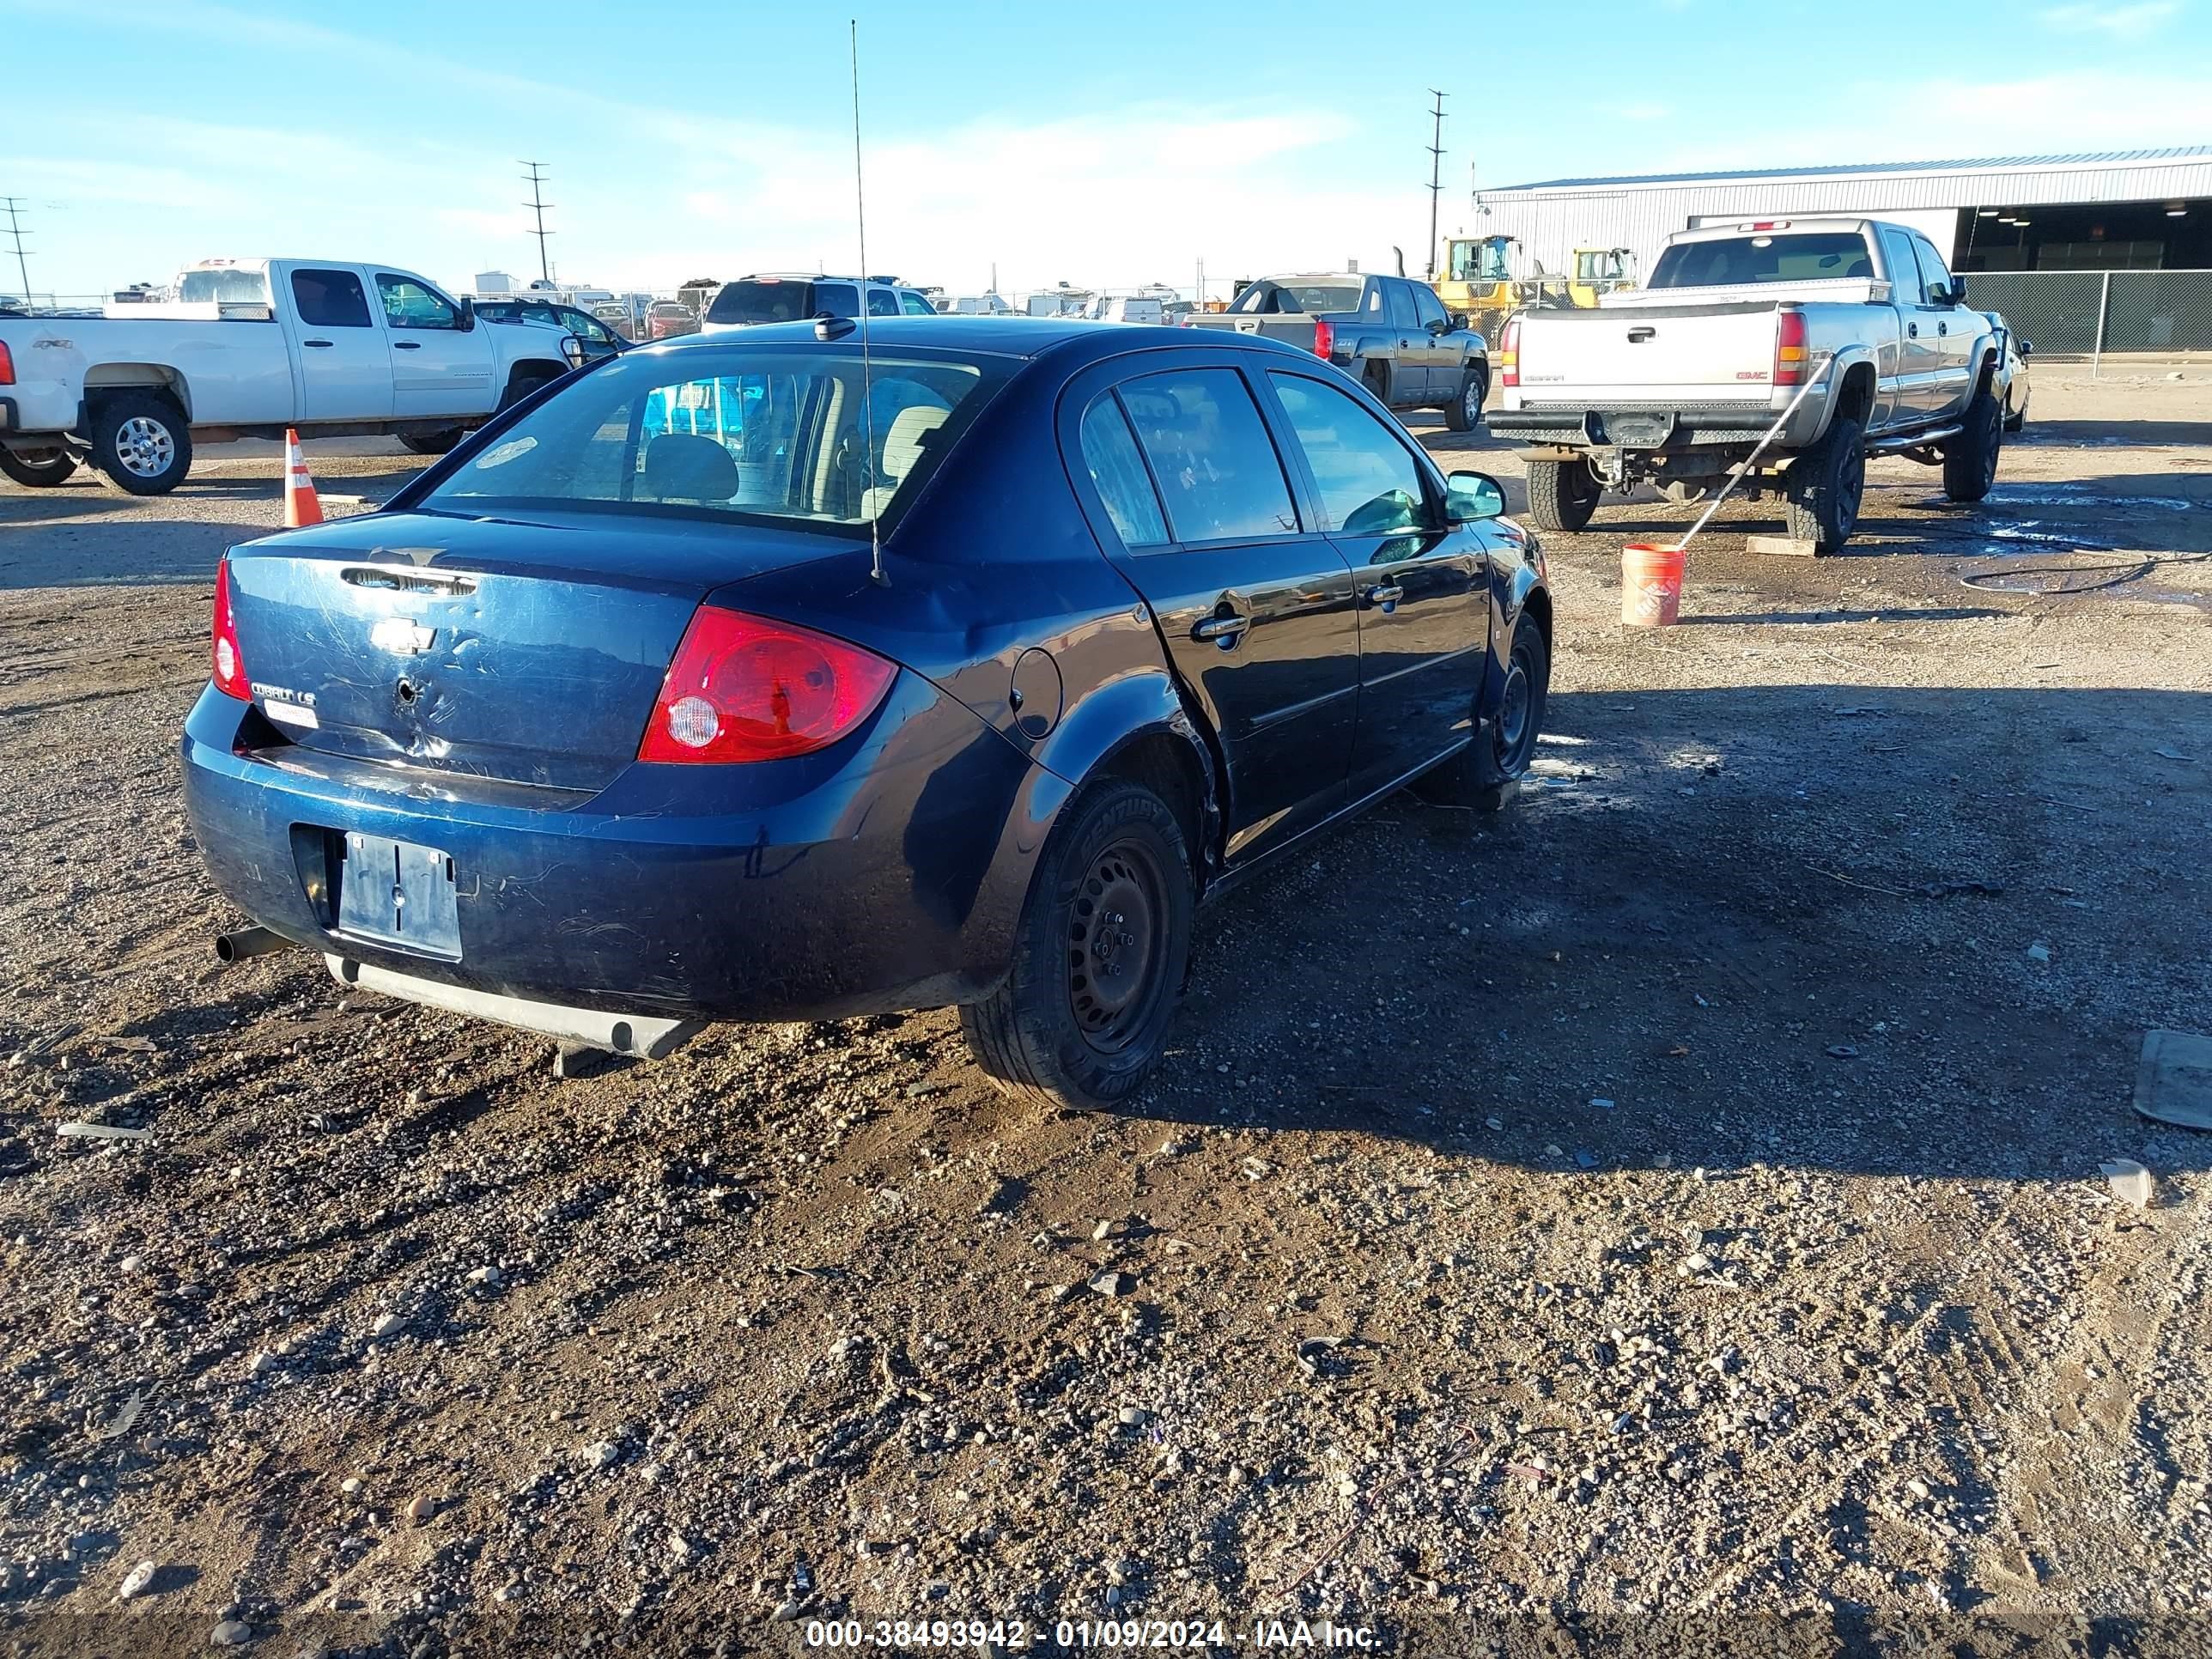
pixel 1970 460
pixel 1464 412
pixel 37 469
pixel 1377 378
pixel 1562 495
pixel 524 383
pixel 1824 485
pixel 142 441
pixel 1082 1017
pixel 431 443
pixel 1483 775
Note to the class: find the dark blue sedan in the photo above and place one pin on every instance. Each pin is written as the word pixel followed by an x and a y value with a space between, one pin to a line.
pixel 766 677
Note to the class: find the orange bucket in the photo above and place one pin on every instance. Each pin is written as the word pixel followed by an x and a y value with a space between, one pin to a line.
pixel 1651 585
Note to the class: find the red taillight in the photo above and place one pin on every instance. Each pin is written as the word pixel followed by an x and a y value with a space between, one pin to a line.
pixel 744 688
pixel 7 365
pixel 1324 339
pixel 229 663
pixel 1789 349
pixel 1509 354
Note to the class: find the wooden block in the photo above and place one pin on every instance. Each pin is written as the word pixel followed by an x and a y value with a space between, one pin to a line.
pixel 1789 546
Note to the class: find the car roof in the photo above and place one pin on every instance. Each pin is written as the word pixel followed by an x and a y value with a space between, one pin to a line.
pixel 1006 336
pixel 1321 277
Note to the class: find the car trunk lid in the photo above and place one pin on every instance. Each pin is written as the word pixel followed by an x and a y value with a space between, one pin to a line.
pixel 529 653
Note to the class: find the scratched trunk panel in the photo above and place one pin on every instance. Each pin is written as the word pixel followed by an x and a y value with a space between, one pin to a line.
pixel 534 679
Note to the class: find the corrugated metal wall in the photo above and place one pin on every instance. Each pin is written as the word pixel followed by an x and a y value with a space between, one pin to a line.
pixel 1552 223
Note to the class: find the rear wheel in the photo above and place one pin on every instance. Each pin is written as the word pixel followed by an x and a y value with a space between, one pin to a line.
pixel 1483 774
pixel 141 442
pixel 1970 460
pixel 1824 485
pixel 1082 1017
pixel 37 469
pixel 431 443
pixel 1562 495
pixel 1464 412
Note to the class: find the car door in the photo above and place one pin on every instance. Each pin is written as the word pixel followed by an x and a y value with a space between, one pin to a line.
pixel 437 367
pixel 1922 393
pixel 1440 359
pixel 1254 608
pixel 1409 369
pixel 345 369
pixel 1423 588
pixel 1956 330
pixel 1897 364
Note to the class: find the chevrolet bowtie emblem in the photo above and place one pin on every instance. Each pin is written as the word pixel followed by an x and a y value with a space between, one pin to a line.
pixel 402 635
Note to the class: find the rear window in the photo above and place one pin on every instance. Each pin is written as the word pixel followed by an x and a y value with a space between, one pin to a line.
pixel 759 435
pixel 1811 257
pixel 228 285
pixel 756 301
pixel 1269 299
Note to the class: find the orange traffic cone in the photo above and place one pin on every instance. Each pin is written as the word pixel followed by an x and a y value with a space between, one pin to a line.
pixel 302 505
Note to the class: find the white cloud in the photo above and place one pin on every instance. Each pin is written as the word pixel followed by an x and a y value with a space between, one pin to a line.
pixel 2121 22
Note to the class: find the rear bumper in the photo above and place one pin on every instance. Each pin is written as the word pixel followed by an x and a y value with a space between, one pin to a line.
pixel 1649 429
pixel 886 873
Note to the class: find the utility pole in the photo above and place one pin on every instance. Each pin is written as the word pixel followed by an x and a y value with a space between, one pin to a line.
pixel 538 202
pixel 16 230
pixel 1436 178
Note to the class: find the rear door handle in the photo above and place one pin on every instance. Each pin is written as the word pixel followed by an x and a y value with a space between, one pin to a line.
pixel 1224 631
pixel 1943 328
pixel 1912 329
pixel 1386 595
pixel 318 343
pixel 406 345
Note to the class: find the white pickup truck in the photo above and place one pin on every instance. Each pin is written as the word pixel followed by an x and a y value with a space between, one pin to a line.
pixel 1676 384
pixel 248 348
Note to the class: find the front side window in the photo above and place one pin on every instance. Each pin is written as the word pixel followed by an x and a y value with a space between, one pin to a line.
pixel 1428 309
pixel 408 304
pixel 758 434
pixel 330 299
pixel 1935 279
pixel 915 305
pixel 1369 486
pixel 1211 452
pixel 1109 455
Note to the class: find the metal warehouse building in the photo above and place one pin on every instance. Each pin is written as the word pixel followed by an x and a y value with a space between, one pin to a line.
pixel 2085 217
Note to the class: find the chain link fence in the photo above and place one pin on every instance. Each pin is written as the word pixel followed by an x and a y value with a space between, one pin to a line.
pixel 2101 313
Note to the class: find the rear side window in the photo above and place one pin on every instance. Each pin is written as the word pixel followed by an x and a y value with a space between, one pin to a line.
pixel 1109 454
pixel 1904 269
pixel 330 299
pixel 754 302
pixel 1400 295
pixel 838 299
pixel 882 302
pixel 1217 467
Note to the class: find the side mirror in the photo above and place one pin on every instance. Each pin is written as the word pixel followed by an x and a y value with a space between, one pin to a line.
pixel 1956 294
pixel 2026 348
pixel 1471 497
pixel 468 319
pixel 1440 325
pixel 573 349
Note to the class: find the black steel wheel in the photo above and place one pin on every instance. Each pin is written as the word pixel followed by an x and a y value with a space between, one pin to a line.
pixel 431 443
pixel 1970 460
pixel 1082 1016
pixel 1825 486
pixel 1487 772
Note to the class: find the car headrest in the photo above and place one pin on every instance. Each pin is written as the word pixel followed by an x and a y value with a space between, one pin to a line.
pixel 902 446
pixel 680 466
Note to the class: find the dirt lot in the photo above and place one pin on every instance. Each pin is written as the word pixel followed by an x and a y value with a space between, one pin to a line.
pixel 1667 1212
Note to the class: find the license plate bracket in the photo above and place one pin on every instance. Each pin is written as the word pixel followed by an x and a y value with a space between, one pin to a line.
pixel 399 894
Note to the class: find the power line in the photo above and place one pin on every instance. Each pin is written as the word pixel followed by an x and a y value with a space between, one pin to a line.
pixel 535 177
pixel 1436 178
pixel 16 230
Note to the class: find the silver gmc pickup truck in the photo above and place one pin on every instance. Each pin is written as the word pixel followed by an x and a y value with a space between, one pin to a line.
pixel 1675 384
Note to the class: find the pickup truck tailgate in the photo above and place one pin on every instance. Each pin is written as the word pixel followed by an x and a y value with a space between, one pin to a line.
pixel 1652 354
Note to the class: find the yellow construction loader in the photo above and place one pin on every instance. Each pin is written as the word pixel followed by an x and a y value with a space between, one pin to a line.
pixel 1481 277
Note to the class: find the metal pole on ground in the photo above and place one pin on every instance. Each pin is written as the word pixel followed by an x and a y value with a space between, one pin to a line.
pixel 2103 311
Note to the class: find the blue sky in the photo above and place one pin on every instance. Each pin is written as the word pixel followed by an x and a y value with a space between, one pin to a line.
pixel 1108 146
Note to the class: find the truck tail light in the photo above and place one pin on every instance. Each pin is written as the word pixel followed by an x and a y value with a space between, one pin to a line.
pixel 7 365
pixel 1509 354
pixel 230 662
pixel 1324 339
pixel 1790 348
pixel 744 688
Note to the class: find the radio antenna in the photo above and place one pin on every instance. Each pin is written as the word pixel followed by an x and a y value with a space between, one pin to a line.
pixel 868 366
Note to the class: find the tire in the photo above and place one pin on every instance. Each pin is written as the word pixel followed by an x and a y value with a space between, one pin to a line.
pixel 1057 1027
pixel 1970 460
pixel 1375 377
pixel 2015 419
pixel 1562 495
pixel 1825 486
pixel 40 470
pixel 141 442
pixel 522 386
pixel 1464 412
pixel 431 443
pixel 1484 775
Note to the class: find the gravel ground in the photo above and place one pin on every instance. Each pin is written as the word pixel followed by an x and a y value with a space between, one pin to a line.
pixel 1666 1215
